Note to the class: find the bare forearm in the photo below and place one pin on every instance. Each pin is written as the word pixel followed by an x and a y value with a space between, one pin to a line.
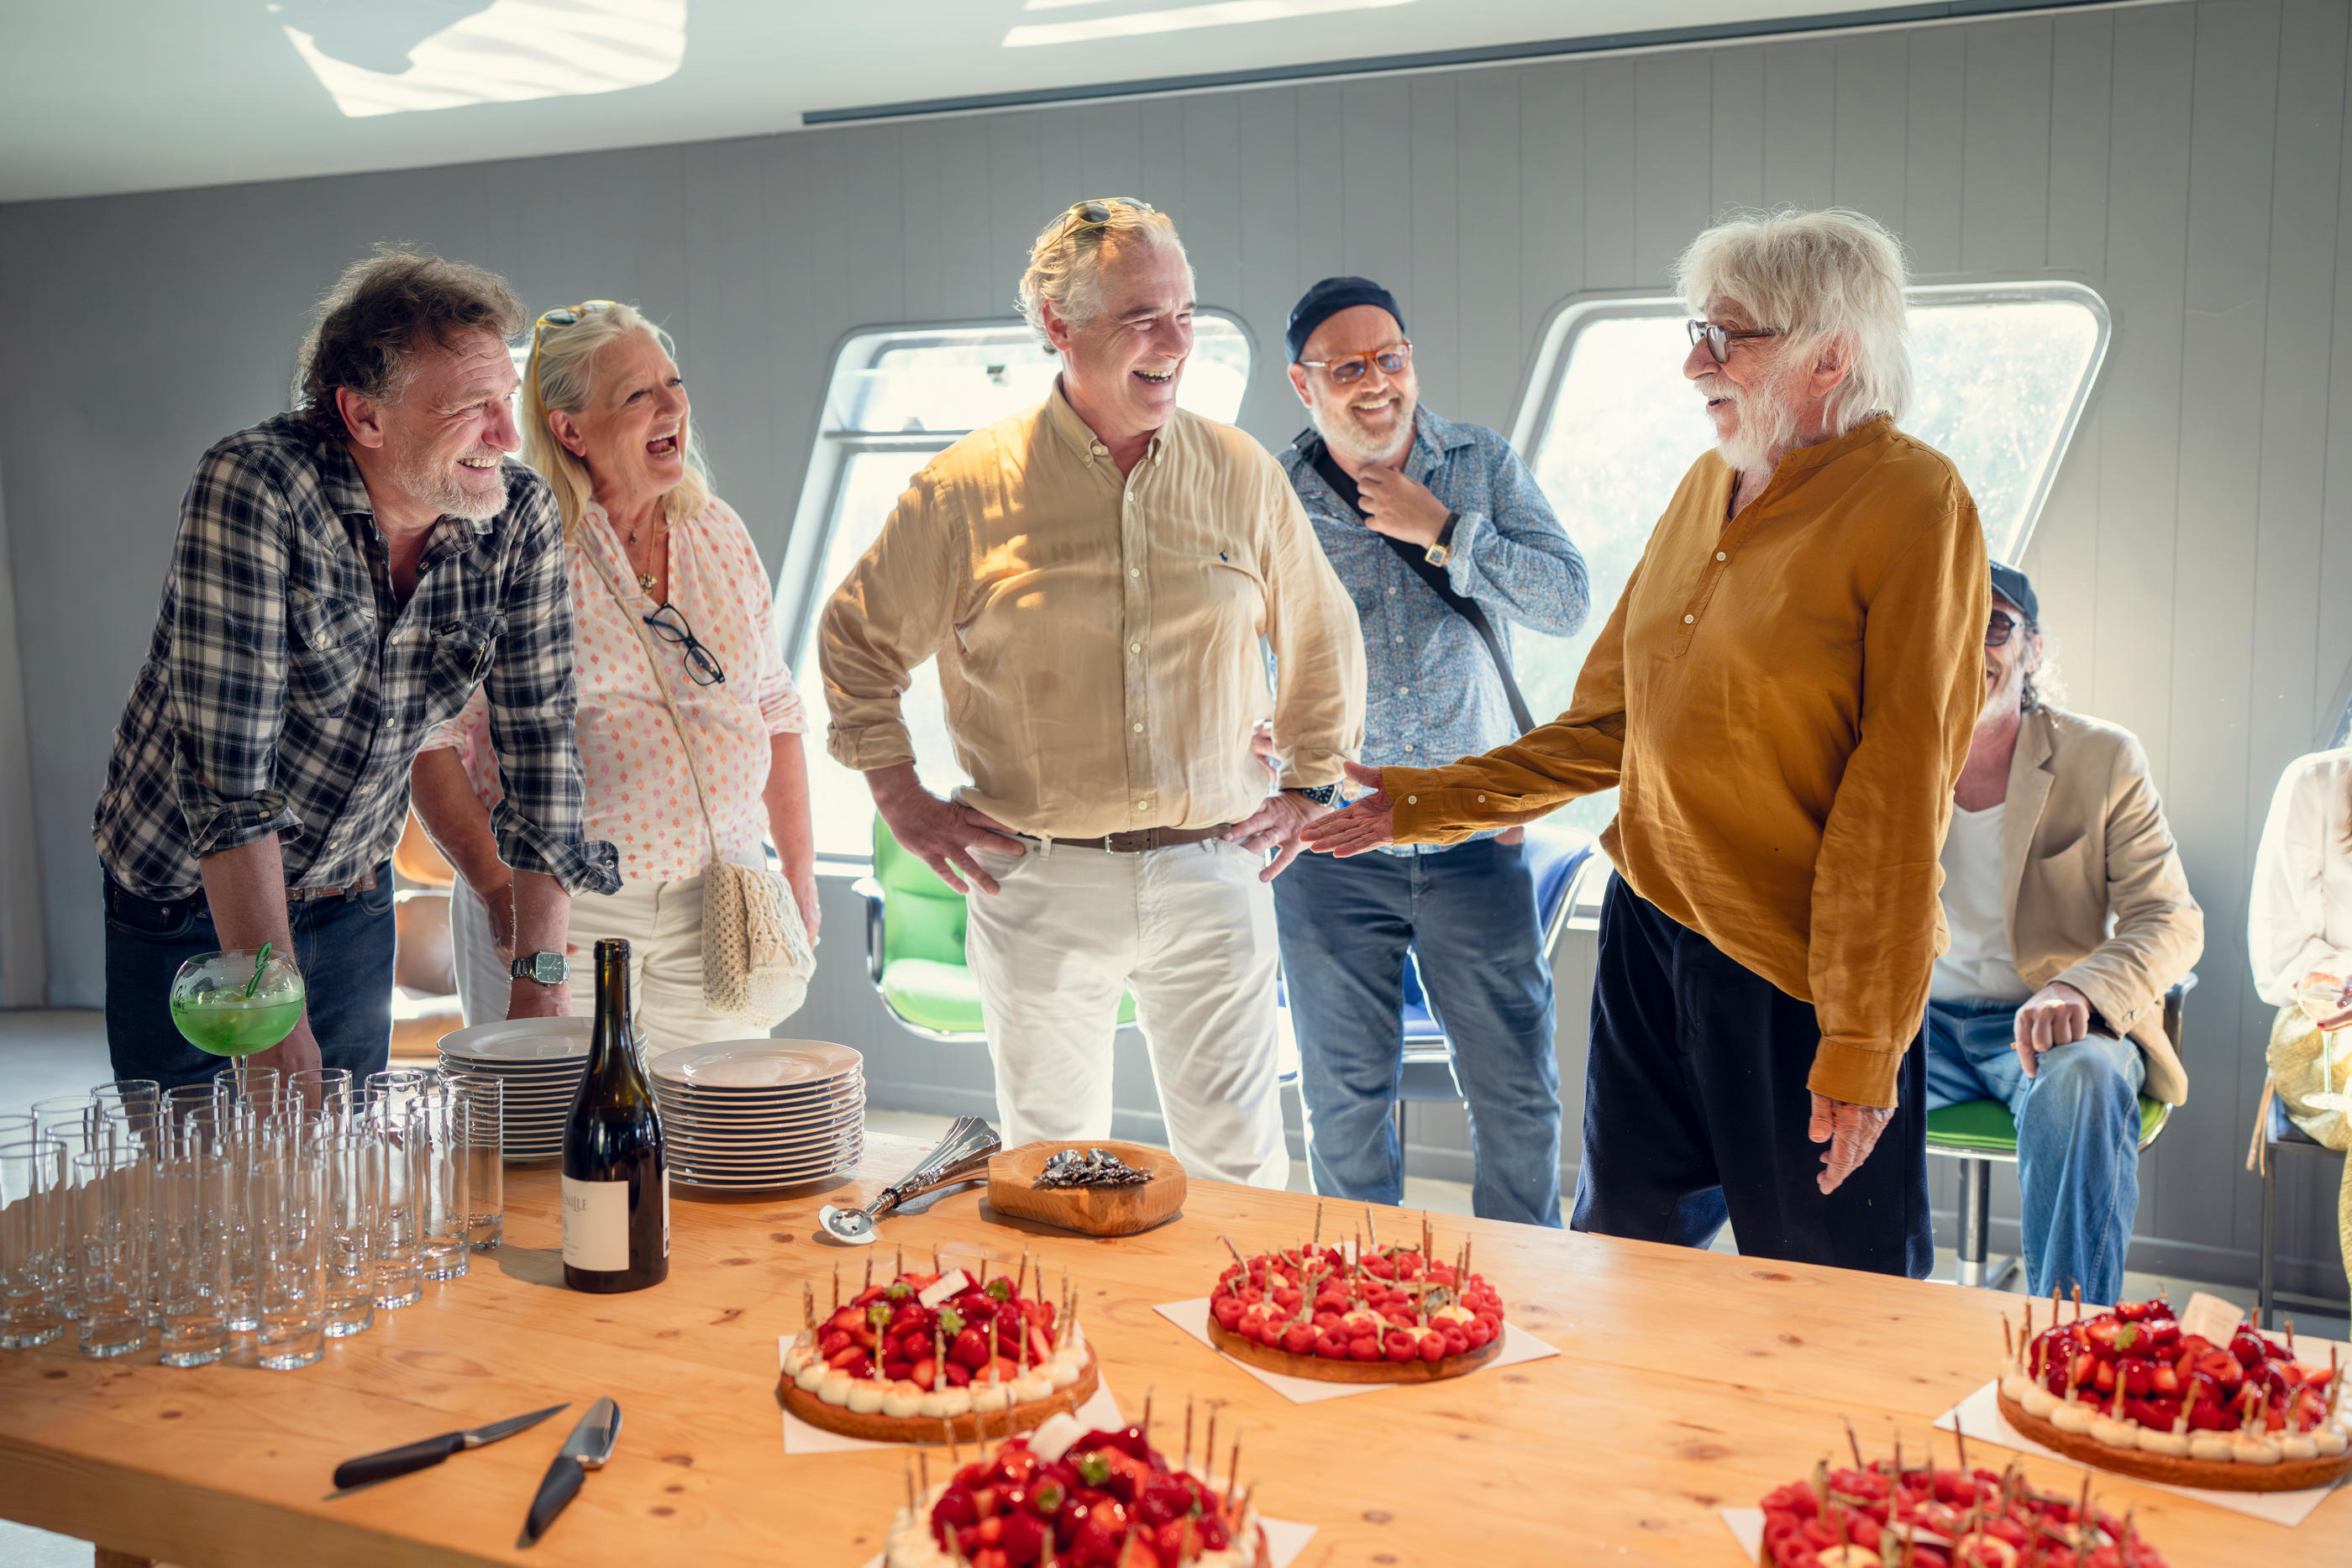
pixel 893 783
pixel 786 798
pixel 543 912
pixel 245 888
pixel 454 818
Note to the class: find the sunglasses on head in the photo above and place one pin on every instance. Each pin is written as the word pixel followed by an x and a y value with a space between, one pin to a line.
pixel 1098 211
pixel 569 316
pixel 1719 338
pixel 1349 367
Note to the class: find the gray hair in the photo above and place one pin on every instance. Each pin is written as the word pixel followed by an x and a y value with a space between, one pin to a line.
pixel 1834 276
pixel 1066 261
pixel 561 375
pixel 369 327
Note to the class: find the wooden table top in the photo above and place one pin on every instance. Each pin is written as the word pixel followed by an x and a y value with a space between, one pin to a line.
pixel 1687 1381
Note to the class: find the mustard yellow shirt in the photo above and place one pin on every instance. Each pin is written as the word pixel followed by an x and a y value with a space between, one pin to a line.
pixel 1098 634
pixel 1784 702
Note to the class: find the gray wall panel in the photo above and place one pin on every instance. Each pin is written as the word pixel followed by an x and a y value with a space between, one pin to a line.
pixel 2186 160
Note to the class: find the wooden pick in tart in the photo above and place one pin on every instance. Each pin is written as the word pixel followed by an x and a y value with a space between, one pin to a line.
pixel 927 1356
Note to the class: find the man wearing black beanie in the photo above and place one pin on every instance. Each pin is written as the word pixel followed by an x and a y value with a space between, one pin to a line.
pixel 1442 538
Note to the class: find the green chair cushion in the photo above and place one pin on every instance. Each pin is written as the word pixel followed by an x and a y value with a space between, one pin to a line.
pixel 1987 1126
pixel 932 995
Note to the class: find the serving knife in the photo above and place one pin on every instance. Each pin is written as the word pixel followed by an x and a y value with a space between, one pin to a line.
pixel 430 1452
pixel 590 1444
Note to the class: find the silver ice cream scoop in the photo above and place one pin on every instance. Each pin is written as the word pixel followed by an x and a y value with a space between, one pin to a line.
pixel 960 1156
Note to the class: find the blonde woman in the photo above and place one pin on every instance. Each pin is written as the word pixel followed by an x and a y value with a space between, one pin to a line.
pixel 666 586
pixel 2299 935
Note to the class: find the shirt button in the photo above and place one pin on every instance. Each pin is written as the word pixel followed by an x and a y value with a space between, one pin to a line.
pixel 1392 592
pixel 1688 619
pixel 1134 572
pixel 1099 449
pixel 1412 799
pixel 1481 800
pixel 1139 730
pixel 1135 647
pixel 1143 805
pixel 1396 639
pixel 1720 555
pixel 1404 691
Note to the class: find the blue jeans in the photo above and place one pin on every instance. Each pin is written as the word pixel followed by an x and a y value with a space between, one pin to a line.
pixel 342 945
pixel 2077 1139
pixel 1469 914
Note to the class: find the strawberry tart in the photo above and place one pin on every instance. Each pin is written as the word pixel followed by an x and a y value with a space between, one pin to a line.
pixel 1387 1313
pixel 2127 1391
pixel 1075 1499
pixel 925 1357
pixel 1903 1516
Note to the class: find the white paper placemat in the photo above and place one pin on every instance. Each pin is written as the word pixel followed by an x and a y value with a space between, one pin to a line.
pixel 1747 1526
pixel 1100 1411
pixel 1285 1540
pixel 1192 1317
pixel 1981 1413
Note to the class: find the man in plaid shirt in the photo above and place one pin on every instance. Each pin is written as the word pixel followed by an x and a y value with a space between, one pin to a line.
pixel 344 575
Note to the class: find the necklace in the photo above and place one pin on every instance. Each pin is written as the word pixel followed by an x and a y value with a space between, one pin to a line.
pixel 646 580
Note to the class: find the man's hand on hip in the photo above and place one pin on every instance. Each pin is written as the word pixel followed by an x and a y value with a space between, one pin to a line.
pixel 1365 824
pixel 1277 826
pixel 1851 1131
pixel 1401 507
pixel 296 1051
pixel 940 833
pixel 2057 1014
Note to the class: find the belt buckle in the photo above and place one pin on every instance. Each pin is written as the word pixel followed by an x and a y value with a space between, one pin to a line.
pixel 1129 841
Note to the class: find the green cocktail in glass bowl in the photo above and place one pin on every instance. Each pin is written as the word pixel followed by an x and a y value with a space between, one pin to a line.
pixel 237 1002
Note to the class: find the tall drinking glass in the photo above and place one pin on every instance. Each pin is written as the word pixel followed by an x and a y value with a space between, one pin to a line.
pixel 436 1132
pixel 399 1236
pixel 317 1086
pixel 72 1119
pixel 486 1171
pixel 33 1190
pixel 236 1003
pixel 235 1087
pixel 355 1190
pixel 116 1200
pixel 191 1236
pixel 289 1207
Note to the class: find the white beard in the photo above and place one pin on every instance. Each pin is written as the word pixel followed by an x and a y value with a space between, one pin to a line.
pixel 439 489
pixel 1342 436
pixel 1768 420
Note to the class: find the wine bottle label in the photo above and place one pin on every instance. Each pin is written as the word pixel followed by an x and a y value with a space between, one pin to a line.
pixel 665 1209
pixel 596 1224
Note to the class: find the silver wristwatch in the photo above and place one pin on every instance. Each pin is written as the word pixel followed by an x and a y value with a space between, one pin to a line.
pixel 547 968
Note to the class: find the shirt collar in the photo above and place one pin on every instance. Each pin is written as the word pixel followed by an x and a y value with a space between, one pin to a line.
pixel 1079 436
pixel 1433 438
pixel 1878 427
pixel 346 490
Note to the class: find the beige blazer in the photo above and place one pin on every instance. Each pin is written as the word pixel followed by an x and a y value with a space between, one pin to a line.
pixel 2094 890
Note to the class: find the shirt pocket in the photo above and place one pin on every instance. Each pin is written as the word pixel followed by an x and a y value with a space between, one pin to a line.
pixel 336 638
pixel 462 650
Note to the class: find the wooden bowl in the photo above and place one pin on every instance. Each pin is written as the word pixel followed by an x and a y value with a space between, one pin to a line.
pixel 1090 1210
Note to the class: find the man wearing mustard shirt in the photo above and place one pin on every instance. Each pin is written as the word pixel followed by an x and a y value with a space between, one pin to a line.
pixel 1783 696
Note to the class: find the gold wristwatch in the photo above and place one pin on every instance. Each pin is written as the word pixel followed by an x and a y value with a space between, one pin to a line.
pixel 1442 551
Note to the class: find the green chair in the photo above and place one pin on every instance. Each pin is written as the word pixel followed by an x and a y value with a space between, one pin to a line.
pixel 1979 1132
pixel 913 947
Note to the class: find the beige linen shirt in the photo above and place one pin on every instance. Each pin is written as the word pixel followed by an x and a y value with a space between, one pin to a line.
pixel 1099 636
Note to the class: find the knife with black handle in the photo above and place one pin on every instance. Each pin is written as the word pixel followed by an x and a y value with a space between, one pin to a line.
pixel 590 1444
pixel 429 1451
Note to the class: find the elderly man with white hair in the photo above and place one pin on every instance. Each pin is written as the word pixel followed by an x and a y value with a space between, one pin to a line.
pixel 1784 696
pixel 1095 576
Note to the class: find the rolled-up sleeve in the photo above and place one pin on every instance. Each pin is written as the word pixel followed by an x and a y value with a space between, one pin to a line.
pixel 1516 558
pixel 228 658
pixel 1316 643
pixel 533 699
pixel 889 614
pixel 1877 924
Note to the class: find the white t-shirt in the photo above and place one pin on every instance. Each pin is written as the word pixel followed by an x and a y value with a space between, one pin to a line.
pixel 2300 916
pixel 1980 968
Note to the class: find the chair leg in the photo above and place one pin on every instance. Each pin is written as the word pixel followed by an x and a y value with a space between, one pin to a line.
pixel 1976 1196
pixel 2270 1217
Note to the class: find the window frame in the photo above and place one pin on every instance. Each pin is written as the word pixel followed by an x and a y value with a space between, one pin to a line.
pixel 1562 324
pixel 798 589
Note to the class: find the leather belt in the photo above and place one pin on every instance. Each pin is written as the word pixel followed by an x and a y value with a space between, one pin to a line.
pixel 1141 840
pixel 366 883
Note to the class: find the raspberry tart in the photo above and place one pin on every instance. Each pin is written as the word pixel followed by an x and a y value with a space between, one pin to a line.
pixel 1379 1314
pixel 927 1355
pixel 1077 1499
pixel 1887 1514
pixel 2127 1391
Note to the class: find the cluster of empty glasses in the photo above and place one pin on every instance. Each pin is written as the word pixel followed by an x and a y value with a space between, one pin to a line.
pixel 248 1222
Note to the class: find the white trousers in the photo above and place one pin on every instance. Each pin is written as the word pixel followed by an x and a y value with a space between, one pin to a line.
pixel 662 922
pixel 1189 930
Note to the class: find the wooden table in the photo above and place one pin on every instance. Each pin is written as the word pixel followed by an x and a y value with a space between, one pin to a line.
pixel 1688 1380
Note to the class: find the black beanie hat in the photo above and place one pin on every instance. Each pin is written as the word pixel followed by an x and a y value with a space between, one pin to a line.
pixel 1326 299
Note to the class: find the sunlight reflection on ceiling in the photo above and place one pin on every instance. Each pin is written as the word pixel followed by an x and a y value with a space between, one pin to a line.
pixel 397 57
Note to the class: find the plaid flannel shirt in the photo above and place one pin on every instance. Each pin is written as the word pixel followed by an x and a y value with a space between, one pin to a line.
pixel 286 690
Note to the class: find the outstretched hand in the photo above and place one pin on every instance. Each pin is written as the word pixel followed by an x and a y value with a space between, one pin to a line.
pixel 1364 825
pixel 1851 1131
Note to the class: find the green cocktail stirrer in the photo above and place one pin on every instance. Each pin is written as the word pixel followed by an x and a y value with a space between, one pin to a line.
pixel 260 962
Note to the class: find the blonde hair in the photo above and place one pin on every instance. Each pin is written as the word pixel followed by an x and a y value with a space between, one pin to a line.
pixel 1819 278
pixel 1065 260
pixel 561 375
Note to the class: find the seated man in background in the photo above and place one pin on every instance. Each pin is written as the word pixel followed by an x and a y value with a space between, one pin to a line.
pixel 1429 522
pixel 2070 918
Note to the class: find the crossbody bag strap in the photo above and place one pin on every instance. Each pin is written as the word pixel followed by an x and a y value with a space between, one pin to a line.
pixel 653 663
pixel 1431 573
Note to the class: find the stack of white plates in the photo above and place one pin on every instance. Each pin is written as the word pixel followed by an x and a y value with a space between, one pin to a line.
pixel 541 1061
pixel 750 1114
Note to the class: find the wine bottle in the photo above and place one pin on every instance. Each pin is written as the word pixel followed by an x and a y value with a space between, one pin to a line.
pixel 615 1176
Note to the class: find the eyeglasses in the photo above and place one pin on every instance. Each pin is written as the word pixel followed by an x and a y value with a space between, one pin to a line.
pixel 1099 210
pixel 571 316
pixel 700 663
pixel 1349 367
pixel 1720 337
pixel 1999 630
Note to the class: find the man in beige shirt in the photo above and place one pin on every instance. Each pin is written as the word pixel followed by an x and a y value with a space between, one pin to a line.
pixel 1095 578
pixel 2070 917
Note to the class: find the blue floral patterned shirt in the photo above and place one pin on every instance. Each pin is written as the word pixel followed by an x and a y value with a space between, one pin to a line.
pixel 1434 694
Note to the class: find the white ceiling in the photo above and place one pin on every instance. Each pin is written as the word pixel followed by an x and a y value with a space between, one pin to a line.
pixel 100 96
